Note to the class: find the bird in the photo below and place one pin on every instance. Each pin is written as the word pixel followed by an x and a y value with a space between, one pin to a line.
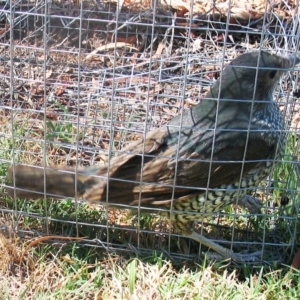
pixel 203 160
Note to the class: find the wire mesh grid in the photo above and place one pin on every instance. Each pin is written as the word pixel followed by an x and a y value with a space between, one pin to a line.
pixel 81 80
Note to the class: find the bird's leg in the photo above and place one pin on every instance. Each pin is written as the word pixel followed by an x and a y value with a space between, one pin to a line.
pixel 186 227
pixel 251 203
pixel 224 252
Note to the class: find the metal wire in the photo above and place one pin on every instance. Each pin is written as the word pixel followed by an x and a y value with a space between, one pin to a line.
pixel 80 83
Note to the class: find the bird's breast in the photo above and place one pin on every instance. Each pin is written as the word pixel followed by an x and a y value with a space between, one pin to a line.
pixel 269 123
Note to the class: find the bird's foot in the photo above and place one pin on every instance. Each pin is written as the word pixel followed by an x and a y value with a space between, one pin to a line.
pixel 251 203
pixel 224 253
pixel 237 257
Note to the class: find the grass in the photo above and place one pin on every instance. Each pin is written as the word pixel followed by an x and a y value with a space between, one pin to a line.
pixel 71 272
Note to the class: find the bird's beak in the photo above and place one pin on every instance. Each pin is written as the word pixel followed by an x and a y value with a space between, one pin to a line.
pixel 293 59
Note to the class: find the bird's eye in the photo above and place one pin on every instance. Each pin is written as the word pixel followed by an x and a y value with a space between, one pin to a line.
pixel 272 73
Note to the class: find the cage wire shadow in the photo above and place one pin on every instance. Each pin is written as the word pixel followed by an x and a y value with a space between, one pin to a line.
pixel 80 81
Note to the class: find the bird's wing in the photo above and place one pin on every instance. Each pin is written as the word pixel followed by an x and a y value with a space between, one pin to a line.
pixel 148 169
pixel 145 173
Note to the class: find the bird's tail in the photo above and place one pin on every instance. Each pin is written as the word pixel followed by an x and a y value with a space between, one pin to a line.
pixel 31 182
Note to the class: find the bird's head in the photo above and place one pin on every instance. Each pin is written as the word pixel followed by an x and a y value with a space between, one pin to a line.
pixel 252 76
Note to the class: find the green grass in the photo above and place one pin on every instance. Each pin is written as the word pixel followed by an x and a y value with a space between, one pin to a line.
pixel 72 272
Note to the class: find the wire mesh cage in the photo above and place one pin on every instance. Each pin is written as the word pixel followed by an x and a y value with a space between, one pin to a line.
pixel 81 80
